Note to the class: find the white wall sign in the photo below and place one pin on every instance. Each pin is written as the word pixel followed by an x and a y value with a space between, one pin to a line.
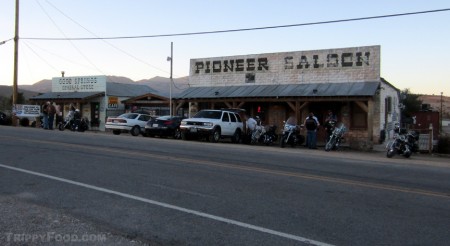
pixel 21 110
pixel 79 84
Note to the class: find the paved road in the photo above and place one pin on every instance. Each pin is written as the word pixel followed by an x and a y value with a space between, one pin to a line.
pixel 103 189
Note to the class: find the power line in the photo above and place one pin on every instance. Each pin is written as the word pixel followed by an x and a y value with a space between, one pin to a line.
pixel 3 42
pixel 108 43
pixel 68 39
pixel 250 29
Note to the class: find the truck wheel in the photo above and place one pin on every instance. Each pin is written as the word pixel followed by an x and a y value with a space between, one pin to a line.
pixel 215 136
pixel 236 138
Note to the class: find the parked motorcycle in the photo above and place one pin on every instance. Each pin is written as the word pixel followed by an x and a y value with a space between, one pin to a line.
pixel 270 135
pixel 264 134
pixel 256 134
pixel 336 137
pixel 403 143
pixel 79 125
pixel 66 124
pixel 291 136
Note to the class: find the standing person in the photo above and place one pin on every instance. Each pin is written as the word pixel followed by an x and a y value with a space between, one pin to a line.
pixel 51 115
pixel 251 124
pixel 59 117
pixel 45 114
pixel 311 124
pixel 330 123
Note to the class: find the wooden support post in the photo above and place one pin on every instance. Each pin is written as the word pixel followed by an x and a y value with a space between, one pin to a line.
pixel 370 117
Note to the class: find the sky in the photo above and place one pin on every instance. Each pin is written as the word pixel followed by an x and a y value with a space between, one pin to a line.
pixel 415 49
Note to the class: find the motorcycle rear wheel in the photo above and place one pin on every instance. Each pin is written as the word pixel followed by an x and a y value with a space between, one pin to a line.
pixel 407 153
pixel 293 142
pixel 283 141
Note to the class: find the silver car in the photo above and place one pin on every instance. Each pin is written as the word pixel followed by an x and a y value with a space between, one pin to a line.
pixel 133 123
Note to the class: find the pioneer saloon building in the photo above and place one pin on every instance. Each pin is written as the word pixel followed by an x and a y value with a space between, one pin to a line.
pixel 272 85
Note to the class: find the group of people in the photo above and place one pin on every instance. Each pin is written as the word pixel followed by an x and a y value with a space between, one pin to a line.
pixel 49 112
pixel 52 115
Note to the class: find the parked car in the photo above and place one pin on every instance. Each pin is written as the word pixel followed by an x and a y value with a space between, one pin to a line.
pixel 133 123
pixel 214 125
pixel 164 126
pixel 4 119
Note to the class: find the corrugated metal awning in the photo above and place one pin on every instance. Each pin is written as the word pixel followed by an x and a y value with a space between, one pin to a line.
pixel 68 95
pixel 290 90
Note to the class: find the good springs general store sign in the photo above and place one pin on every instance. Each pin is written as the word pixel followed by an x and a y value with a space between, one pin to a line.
pixel 356 64
pixel 79 84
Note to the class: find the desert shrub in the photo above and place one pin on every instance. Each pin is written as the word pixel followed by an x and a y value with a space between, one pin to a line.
pixel 24 122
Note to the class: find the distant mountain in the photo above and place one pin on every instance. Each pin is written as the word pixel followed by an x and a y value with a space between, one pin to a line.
pixel 160 84
pixel 41 86
pixel 6 91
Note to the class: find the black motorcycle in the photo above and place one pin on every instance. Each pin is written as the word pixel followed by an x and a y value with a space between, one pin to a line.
pixel 403 143
pixel 335 138
pixel 270 135
pixel 79 125
pixel 66 124
pixel 261 134
pixel 291 136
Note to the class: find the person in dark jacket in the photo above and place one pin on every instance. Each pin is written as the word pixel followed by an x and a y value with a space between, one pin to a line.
pixel 51 115
pixel 311 125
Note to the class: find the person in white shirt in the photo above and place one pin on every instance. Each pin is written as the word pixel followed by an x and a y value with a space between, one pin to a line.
pixel 251 124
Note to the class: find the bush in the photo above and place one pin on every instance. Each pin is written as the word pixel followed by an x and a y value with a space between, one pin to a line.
pixel 444 145
pixel 24 122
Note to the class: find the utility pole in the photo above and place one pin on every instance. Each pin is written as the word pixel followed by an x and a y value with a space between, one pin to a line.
pixel 441 114
pixel 171 79
pixel 16 61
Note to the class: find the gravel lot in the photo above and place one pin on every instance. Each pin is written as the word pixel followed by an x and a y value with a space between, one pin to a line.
pixel 23 223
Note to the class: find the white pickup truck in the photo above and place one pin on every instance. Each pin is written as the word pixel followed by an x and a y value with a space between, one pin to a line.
pixel 214 125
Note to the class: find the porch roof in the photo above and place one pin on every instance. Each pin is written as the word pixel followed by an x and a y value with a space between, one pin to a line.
pixel 68 95
pixel 287 90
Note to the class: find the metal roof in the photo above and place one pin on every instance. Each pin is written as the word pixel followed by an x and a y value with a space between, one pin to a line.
pixel 67 95
pixel 127 90
pixel 288 90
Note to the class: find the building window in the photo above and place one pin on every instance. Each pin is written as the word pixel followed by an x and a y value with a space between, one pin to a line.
pixel 359 117
pixel 388 105
pixel 249 78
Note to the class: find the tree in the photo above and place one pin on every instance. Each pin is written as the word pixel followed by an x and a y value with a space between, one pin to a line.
pixel 20 98
pixel 411 103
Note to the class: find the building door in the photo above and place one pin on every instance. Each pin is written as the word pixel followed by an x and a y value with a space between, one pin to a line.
pixel 95 114
pixel 276 116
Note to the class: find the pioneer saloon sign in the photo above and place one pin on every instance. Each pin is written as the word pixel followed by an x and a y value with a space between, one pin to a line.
pixel 79 84
pixel 334 65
